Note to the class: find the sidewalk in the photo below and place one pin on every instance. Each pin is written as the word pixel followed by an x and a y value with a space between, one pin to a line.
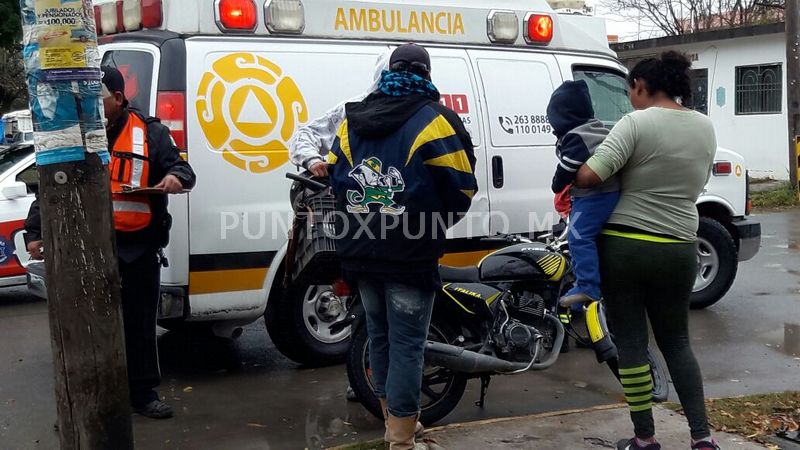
pixel 595 428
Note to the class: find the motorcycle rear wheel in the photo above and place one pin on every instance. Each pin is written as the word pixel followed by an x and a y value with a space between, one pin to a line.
pixel 442 388
pixel 658 370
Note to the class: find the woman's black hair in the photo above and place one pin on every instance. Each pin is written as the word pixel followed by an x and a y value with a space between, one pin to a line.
pixel 669 73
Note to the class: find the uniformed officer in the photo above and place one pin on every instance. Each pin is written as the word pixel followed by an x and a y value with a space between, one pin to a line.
pixel 142 155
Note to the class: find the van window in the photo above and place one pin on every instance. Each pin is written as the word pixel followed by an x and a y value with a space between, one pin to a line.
pixel 517 93
pixel 137 68
pixel 609 91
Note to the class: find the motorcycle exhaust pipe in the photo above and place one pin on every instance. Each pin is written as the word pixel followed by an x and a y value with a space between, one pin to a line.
pixel 462 360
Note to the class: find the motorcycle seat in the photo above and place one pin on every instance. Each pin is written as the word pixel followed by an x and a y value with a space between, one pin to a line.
pixel 460 274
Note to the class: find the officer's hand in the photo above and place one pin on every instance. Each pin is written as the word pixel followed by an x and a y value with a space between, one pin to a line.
pixel 35 249
pixel 319 169
pixel 171 184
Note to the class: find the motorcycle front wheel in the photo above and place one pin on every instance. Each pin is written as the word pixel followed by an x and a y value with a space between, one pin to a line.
pixel 442 388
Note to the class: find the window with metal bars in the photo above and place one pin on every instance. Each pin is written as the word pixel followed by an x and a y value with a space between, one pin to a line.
pixel 759 89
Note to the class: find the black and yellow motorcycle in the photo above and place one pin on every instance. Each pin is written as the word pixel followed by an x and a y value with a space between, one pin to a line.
pixel 501 317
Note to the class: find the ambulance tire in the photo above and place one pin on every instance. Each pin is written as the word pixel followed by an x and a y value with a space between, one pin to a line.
pixel 718 261
pixel 287 330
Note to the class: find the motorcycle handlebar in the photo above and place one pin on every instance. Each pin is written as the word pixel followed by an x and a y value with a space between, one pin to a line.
pixel 308 182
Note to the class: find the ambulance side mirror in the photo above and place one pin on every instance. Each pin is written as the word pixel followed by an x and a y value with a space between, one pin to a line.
pixel 14 190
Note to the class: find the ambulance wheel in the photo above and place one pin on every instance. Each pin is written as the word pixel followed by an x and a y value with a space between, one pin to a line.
pixel 299 325
pixel 717 262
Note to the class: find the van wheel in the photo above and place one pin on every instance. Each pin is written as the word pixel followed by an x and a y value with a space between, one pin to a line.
pixel 299 325
pixel 717 262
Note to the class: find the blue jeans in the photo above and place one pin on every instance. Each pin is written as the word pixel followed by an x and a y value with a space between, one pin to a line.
pixel 589 215
pixel 398 316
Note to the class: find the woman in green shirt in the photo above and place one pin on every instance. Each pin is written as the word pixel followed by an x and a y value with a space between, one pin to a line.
pixel 663 155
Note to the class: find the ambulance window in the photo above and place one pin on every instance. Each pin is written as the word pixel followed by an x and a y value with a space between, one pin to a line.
pixel 137 69
pixel 609 91
pixel 517 93
pixel 451 76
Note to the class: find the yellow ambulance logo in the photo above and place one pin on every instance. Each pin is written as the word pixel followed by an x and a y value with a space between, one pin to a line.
pixel 248 110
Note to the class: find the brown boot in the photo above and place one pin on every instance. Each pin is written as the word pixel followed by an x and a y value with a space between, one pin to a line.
pixel 400 433
pixel 419 429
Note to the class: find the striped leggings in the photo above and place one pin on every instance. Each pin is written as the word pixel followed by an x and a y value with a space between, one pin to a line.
pixel 641 280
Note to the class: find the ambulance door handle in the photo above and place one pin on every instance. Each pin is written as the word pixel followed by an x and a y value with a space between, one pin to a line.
pixel 497 172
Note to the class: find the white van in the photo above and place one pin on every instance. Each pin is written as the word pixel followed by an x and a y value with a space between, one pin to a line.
pixel 233 80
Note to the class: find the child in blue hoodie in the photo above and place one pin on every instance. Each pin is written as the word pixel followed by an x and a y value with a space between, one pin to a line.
pixel 571 115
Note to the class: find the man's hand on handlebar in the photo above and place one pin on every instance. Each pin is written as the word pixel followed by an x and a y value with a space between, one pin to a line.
pixel 319 169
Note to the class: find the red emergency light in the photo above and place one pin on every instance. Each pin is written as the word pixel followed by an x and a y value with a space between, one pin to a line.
pixel 539 28
pixel 236 15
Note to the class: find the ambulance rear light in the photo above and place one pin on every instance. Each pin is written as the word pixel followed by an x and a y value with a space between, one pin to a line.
pixel 98 26
pixel 171 109
pixel 127 15
pixel 722 168
pixel 284 16
pixel 131 14
pixel 538 28
pixel 502 27
pixel 236 15
pixel 152 15
pixel 108 18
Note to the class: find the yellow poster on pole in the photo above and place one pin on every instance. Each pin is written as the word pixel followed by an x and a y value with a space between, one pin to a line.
pixel 67 39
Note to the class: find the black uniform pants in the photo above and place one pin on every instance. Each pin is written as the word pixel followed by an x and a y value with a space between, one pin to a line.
pixel 140 295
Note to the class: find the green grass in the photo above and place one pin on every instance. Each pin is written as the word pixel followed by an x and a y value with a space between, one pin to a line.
pixel 783 196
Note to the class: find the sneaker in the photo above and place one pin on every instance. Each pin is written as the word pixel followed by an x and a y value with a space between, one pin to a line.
pixel 155 410
pixel 706 444
pixel 633 444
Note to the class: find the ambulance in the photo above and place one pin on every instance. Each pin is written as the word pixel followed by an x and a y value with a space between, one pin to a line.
pixel 234 79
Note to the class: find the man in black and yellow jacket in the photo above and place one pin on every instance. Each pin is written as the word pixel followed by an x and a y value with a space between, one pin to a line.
pixel 402 169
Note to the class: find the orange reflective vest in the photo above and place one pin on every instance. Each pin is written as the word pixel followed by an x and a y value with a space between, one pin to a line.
pixel 130 166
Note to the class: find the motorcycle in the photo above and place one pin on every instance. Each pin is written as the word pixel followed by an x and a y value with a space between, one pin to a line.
pixel 502 317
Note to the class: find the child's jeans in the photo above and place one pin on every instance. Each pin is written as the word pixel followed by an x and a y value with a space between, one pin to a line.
pixel 589 215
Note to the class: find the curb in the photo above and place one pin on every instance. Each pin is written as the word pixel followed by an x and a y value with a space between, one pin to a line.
pixel 457 426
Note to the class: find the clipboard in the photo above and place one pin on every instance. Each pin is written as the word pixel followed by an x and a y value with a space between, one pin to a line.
pixel 128 189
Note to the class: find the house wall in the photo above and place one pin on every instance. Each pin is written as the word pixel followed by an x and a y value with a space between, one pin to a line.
pixel 762 139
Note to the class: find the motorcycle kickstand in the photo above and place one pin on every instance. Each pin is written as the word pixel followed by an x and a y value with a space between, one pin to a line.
pixel 485 380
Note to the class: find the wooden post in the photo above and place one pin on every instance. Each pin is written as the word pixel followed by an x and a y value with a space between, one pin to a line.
pixel 792 16
pixel 83 285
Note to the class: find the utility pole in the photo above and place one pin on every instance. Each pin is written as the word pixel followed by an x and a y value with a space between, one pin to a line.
pixel 62 66
pixel 792 17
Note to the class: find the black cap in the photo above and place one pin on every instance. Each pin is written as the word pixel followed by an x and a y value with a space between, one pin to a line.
pixel 113 80
pixel 409 56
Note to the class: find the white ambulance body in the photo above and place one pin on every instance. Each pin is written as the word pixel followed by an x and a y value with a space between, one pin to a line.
pixel 234 79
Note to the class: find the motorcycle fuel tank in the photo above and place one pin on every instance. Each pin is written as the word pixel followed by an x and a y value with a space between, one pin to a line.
pixel 523 262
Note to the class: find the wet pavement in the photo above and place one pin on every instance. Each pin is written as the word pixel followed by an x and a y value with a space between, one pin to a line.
pixel 245 395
